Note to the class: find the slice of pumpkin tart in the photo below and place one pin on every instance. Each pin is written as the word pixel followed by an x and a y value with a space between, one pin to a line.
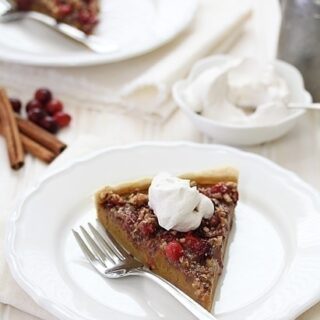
pixel 82 14
pixel 178 227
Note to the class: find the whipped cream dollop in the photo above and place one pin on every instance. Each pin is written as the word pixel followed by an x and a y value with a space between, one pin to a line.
pixel 240 91
pixel 177 205
pixel 251 84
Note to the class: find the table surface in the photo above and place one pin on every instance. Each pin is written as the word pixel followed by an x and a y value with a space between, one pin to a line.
pixel 298 151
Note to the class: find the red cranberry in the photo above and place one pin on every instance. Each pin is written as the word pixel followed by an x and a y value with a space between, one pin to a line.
pixel 84 16
pixel 54 106
pixel 36 115
pixel 192 242
pixel 219 188
pixel 174 250
pixel 62 119
pixel 64 10
pixel 49 124
pixel 16 104
pixel 197 246
pixel 33 104
pixel 43 95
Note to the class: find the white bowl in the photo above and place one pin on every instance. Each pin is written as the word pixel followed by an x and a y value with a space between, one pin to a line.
pixel 244 134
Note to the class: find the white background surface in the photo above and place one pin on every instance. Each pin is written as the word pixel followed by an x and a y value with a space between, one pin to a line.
pixel 299 151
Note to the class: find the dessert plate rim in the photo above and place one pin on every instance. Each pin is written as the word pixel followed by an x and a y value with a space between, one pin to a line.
pixel 39 296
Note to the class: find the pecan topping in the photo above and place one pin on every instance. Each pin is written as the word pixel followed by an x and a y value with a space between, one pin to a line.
pixel 198 253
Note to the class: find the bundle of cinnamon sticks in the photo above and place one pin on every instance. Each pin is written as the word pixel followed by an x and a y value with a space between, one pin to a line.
pixel 24 136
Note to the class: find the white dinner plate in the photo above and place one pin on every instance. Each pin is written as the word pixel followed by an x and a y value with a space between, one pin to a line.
pixel 271 268
pixel 135 26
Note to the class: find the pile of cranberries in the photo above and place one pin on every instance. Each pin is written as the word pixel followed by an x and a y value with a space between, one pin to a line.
pixel 44 110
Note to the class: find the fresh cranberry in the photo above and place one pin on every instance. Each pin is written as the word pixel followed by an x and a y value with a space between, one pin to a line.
pixel 62 119
pixel 49 124
pixel 36 115
pixel 219 188
pixel 54 106
pixel 64 10
pixel 33 104
pixel 43 95
pixel 16 104
pixel 174 250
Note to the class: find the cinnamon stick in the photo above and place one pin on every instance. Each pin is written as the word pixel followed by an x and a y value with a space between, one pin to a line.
pixel 34 148
pixel 41 136
pixel 37 149
pixel 11 132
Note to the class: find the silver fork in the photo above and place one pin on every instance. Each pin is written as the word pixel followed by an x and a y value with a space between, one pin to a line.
pixel 110 260
pixel 9 13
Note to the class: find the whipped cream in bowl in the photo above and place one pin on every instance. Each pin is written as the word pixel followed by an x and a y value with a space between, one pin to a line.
pixel 251 84
pixel 241 101
pixel 176 204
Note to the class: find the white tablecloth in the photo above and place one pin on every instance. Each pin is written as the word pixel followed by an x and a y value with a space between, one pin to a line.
pixel 299 151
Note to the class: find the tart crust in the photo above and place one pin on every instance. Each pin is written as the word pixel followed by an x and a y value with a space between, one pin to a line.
pixel 205 177
pixel 157 259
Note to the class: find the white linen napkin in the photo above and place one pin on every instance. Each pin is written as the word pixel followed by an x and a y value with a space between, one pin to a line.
pixel 142 84
pixel 214 24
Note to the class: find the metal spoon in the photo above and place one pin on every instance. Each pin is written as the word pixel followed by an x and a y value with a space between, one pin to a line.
pixel 291 105
pixel 9 13
pixel 313 106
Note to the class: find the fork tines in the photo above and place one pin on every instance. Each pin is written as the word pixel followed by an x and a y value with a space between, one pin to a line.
pixel 99 249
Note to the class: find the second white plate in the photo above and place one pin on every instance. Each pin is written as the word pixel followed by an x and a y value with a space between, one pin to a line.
pixel 273 261
pixel 135 26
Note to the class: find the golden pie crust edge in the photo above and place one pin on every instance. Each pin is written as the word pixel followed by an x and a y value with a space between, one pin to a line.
pixel 210 176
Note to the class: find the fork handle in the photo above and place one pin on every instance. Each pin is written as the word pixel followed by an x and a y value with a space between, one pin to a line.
pixel 92 42
pixel 195 308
